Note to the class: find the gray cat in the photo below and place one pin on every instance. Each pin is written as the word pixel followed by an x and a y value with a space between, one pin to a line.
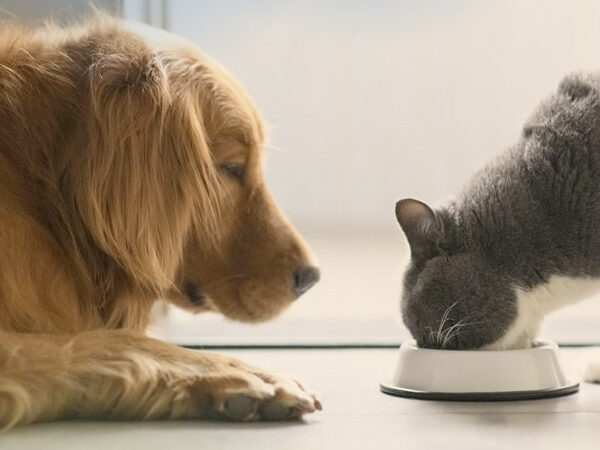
pixel 522 240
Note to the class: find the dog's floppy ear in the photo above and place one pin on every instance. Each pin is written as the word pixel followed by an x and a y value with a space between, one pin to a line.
pixel 146 171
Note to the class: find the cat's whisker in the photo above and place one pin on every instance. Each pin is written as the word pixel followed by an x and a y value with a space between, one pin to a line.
pixel 457 328
pixel 450 332
pixel 443 320
pixel 432 334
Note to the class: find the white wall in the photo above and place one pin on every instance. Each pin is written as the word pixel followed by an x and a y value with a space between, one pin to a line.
pixel 373 101
pixel 64 11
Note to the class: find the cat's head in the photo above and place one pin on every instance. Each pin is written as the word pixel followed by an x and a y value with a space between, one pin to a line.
pixel 453 296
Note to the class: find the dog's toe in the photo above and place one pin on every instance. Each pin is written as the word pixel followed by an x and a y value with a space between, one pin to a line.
pixel 273 410
pixel 241 407
pixel 291 401
pixel 243 393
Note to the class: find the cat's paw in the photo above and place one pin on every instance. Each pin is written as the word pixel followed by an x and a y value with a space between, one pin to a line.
pixel 591 373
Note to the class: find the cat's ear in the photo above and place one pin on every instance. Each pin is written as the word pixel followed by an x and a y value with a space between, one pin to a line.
pixel 420 226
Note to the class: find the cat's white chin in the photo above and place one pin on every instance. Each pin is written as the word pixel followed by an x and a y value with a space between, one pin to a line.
pixel 506 343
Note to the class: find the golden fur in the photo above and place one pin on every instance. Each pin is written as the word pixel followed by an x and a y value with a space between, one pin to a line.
pixel 130 170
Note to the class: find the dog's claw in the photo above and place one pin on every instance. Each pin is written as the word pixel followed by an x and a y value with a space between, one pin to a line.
pixel 318 404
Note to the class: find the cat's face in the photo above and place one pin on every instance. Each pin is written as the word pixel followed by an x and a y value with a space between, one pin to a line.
pixel 452 296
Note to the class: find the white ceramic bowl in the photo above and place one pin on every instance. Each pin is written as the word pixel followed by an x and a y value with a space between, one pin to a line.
pixel 479 375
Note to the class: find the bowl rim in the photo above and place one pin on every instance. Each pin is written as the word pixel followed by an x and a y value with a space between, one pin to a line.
pixel 538 344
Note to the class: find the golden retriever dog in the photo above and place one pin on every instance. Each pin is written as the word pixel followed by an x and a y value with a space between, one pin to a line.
pixel 130 170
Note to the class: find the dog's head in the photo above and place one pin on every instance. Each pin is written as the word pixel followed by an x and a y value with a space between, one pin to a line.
pixel 173 187
pixel 258 264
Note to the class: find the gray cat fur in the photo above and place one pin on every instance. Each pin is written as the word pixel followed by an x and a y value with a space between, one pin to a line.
pixel 532 213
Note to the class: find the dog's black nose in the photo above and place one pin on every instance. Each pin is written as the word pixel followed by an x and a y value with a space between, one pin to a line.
pixel 305 278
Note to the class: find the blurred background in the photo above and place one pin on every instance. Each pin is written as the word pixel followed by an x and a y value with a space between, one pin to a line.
pixel 367 103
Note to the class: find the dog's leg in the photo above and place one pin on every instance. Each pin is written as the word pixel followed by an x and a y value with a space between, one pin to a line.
pixel 120 374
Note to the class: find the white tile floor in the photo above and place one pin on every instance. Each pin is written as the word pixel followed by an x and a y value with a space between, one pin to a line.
pixel 355 416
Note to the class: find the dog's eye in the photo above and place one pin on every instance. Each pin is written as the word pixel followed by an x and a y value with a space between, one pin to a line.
pixel 234 170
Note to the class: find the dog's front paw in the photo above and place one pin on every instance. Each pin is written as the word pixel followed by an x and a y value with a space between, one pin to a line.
pixel 291 400
pixel 592 372
pixel 240 392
